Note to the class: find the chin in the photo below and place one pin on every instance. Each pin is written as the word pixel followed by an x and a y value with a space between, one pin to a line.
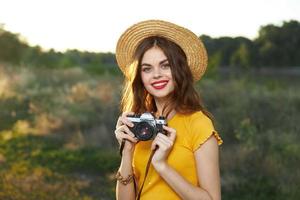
pixel 161 95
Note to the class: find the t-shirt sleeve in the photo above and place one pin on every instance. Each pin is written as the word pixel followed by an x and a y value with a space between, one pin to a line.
pixel 202 129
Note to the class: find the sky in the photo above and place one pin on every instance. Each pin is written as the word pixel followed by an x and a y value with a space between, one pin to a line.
pixel 96 25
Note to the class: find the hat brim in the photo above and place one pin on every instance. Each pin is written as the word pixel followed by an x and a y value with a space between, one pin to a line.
pixel 191 45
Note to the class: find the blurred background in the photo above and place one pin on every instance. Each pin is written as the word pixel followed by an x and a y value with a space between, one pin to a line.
pixel 60 89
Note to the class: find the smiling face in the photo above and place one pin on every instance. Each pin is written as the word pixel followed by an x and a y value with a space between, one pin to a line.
pixel 156 73
pixel 160 80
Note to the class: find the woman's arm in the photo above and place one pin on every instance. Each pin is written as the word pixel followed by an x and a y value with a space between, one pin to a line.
pixel 125 189
pixel 208 170
pixel 126 192
pixel 206 157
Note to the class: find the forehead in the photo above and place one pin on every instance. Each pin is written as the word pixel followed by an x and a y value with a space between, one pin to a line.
pixel 154 54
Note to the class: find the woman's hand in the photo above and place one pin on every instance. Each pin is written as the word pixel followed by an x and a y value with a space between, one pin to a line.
pixel 122 132
pixel 163 144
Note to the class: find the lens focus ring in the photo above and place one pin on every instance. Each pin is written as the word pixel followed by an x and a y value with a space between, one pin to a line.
pixel 144 131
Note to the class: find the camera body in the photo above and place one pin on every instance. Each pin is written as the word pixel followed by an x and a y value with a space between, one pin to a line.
pixel 146 126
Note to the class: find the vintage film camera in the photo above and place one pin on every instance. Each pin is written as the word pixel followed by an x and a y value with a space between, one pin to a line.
pixel 146 127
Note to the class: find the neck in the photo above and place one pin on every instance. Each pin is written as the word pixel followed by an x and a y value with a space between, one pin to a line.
pixel 160 103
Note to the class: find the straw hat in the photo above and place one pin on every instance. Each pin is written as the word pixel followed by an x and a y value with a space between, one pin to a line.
pixel 187 40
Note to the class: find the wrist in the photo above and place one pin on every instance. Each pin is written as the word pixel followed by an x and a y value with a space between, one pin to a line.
pixel 126 165
pixel 124 180
pixel 127 156
pixel 127 153
pixel 160 167
pixel 128 147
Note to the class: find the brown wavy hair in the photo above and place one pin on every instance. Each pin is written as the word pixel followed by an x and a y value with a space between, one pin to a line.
pixel 184 99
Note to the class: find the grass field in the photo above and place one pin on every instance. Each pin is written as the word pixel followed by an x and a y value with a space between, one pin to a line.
pixel 57 141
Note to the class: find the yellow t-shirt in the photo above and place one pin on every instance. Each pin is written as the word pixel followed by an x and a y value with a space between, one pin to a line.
pixel 192 131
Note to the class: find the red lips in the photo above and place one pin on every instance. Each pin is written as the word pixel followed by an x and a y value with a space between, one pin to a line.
pixel 158 85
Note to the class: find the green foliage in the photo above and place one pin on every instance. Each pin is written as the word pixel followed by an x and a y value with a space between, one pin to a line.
pixel 241 57
pixel 276 46
pixel 12 110
pixel 16 51
pixel 226 51
pixel 12 48
pixel 37 165
pixel 43 101
pixel 49 152
pixel 257 118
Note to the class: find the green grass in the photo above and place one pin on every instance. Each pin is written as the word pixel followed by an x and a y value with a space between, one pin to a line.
pixel 45 164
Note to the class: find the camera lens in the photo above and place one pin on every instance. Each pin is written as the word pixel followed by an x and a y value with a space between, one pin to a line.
pixel 144 131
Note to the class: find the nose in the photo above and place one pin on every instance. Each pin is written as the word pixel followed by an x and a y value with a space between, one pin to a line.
pixel 157 72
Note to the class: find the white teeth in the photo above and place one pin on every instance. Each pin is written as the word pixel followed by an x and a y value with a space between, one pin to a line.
pixel 160 84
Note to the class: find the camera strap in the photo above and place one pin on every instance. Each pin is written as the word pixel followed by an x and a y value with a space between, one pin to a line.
pixel 146 172
pixel 122 147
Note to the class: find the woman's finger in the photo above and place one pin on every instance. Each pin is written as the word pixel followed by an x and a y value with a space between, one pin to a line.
pixel 165 139
pixel 123 119
pixel 160 139
pixel 121 135
pixel 160 144
pixel 126 121
pixel 126 130
pixel 171 131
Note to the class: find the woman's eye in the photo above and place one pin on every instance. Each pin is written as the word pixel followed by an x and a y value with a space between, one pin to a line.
pixel 165 66
pixel 146 69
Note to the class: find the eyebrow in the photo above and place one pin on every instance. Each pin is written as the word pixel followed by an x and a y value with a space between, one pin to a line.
pixel 160 63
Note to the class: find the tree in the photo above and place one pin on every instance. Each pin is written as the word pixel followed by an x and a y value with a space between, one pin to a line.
pixel 11 47
pixel 241 57
pixel 279 46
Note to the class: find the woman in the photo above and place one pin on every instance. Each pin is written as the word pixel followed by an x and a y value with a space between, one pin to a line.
pixel 161 61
